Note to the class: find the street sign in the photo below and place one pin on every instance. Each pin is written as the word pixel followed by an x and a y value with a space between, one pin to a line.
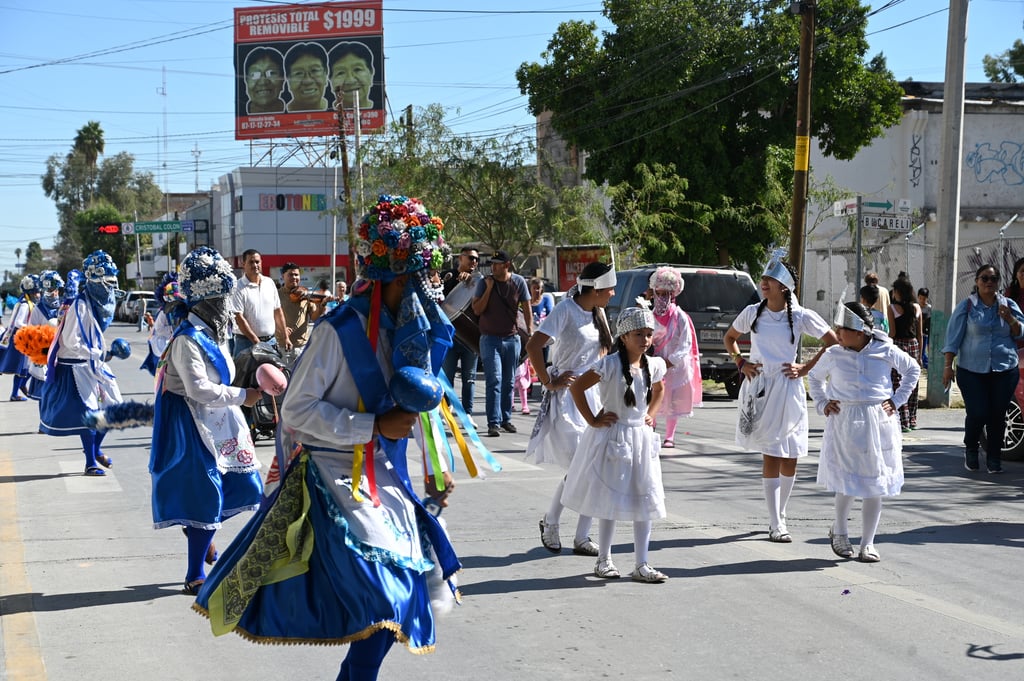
pixel 151 227
pixel 188 225
pixel 885 206
pixel 894 223
pixel 844 207
pixel 903 207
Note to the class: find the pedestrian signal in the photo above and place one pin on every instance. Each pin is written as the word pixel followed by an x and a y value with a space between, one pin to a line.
pixel 109 228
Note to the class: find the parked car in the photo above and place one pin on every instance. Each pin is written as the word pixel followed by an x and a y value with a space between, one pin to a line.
pixel 712 296
pixel 128 309
pixel 1013 437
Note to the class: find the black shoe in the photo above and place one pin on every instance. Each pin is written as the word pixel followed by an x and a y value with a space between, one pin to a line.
pixel 508 427
pixel 995 470
pixel 492 431
pixel 971 460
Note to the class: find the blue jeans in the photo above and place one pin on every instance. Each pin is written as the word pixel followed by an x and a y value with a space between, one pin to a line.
pixel 986 397
pixel 500 356
pixel 460 354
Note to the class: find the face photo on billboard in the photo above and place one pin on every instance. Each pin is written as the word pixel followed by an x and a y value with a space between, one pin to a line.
pixel 352 75
pixel 263 74
pixel 305 68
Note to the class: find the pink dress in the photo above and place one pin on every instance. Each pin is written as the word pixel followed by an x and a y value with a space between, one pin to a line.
pixel 675 341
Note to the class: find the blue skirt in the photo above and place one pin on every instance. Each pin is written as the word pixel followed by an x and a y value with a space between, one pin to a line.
pixel 35 388
pixel 149 364
pixel 188 488
pixel 12 361
pixel 61 409
pixel 276 584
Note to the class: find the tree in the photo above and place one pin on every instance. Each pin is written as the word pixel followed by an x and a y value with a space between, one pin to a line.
pixel 1007 67
pixel 486 189
pixel 34 262
pixel 709 87
pixel 77 183
pixel 102 212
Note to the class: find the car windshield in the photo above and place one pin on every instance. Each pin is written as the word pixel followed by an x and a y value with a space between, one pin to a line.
pixel 719 293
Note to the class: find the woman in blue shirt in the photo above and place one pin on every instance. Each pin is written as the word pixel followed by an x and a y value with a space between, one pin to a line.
pixel 981 335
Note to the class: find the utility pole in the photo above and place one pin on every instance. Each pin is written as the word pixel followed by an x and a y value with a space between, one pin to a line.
pixel 948 209
pixel 410 144
pixel 798 220
pixel 196 153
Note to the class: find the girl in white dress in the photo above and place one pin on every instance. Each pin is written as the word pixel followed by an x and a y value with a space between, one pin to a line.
pixel 772 400
pixel 581 337
pixel 616 472
pixel 861 452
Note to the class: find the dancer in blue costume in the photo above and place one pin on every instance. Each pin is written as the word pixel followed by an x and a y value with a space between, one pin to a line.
pixel 45 312
pixel 172 311
pixel 78 378
pixel 203 460
pixel 12 361
pixel 342 554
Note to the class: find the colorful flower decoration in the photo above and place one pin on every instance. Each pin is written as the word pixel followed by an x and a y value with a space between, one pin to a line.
pixel 399 236
pixel 30 283
pixel 34 341
pixel 51 281
pixel 98 266
pixel 204 273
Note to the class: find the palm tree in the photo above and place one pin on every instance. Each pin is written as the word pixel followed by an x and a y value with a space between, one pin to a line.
pixel 17 256
pixel 89 142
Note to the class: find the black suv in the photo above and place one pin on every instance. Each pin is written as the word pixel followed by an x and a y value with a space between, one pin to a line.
pixel 712 296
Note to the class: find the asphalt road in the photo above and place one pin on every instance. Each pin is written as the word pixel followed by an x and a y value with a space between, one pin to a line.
pixel 89 591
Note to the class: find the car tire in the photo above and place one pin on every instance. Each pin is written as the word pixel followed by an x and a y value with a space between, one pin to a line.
pixel 732 385
pixel 1013 440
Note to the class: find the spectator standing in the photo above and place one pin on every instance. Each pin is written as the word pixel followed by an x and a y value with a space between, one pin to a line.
pixel 905 328
pixel 256 306
pixel 982 336
pixel 460 356
pixel 497 302
pixel 869 298
pixel 923 295
pixel 882 304
pixel 299 308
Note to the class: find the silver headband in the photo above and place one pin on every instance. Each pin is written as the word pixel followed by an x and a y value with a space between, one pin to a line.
pixel 606 280
pixel 846 319
pixel 776 270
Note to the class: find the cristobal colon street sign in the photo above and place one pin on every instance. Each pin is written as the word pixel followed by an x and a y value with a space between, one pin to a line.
pixel 151 227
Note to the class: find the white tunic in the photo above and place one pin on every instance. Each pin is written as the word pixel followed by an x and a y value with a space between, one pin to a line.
pixel 861 451
pixel 616 473
pixel 576 347
pixel 773 407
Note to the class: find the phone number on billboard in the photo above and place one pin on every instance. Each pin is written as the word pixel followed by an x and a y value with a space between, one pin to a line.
pixel 350 18
pixel 261 124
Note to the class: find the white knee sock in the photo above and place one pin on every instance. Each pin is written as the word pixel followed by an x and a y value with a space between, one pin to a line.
pixel 641 540
pixel 843 505
pixel 583 528
pixel 771 496
pixel 605 532
pixel 786 483
pixel 871 514
pixel 555 510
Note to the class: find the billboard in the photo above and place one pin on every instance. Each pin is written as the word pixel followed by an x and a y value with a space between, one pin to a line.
pixel 299 67
pixel 570 261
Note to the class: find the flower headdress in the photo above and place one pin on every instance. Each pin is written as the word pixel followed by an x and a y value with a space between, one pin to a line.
pixel 51 281
pixel 666 279
pixel 98 266
pixel 168 289
pixel 30 283
pixel 398 236
pixel 204 273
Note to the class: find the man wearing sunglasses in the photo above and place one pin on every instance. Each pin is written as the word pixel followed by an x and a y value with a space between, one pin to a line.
pixel 460 353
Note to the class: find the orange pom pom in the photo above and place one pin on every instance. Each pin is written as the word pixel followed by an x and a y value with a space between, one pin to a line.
pixel 34 341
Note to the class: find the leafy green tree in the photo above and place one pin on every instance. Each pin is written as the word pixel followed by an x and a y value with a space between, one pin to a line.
pixel 487 190
pixel 76 183
pixel 34 262
pixel 1006 67
pixel 709 87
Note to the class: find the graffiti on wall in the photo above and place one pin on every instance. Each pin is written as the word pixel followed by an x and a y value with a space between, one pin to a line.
pixel 1004 163
pixel 915 160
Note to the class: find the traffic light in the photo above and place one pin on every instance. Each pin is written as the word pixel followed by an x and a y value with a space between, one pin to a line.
pixel 108 228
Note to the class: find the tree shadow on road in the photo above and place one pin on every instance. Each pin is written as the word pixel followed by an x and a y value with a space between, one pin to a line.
pixel 986 653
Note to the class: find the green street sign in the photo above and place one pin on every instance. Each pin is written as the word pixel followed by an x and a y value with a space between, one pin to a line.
pixel 877 204
pixel 151 227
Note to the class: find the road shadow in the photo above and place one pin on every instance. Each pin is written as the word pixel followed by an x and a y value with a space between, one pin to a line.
pixel 986 653
pixel 37 602
pixel 35 478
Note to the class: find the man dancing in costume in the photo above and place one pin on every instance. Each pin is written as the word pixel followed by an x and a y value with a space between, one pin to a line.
pixel 342 554
pixel 78 378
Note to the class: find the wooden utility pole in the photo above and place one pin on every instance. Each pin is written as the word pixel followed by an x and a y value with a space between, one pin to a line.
pixel 797 223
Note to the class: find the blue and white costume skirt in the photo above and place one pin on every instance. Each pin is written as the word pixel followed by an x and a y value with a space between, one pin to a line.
pixel 36 380
pixel 188 486
pixel 149 364
pixel 12 361
pixel 302 570
pixel 61 407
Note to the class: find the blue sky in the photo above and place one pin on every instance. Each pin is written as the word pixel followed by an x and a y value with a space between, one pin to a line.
pixel 464 58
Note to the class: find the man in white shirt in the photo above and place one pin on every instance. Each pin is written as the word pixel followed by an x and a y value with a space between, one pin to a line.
pixel 256 307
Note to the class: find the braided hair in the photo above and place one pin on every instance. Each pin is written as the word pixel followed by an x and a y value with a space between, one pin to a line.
pixel 788 295
pixel 593 270
pixel 629 397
